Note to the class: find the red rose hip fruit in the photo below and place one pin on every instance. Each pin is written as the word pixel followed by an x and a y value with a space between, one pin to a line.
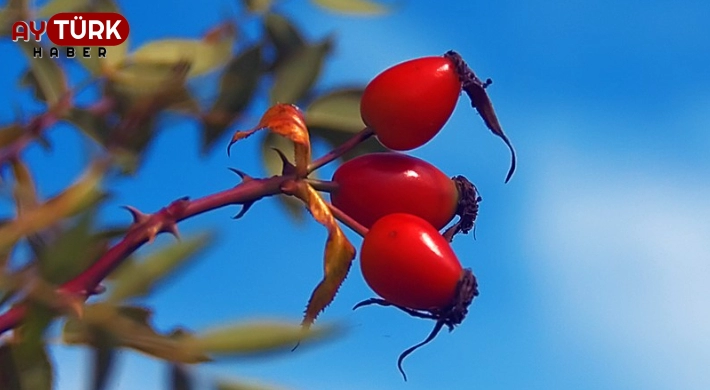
pixel 374 185
pixel 408 262
pixel 408 104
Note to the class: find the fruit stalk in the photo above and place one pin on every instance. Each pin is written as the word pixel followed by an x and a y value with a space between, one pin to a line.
pixel 358 138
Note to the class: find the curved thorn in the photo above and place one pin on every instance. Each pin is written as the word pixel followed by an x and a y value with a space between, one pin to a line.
pixel 241 174
pixel 138 216
pixel 229 147
pixel 173 229
pixel 245 208
pixel 288 167
pixel 434 332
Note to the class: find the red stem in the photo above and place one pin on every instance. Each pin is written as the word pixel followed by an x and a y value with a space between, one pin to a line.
pixel 146 227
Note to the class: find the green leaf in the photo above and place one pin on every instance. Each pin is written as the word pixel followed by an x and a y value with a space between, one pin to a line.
pixel 9 374
pixel 24 191
pixel 203 55
pixel 14 10
pixel 92 125
pixel 359 7
pixel 335 117
pixel 254 338
pixel 274 165
pixel 22 368
pixel 29 356
pixel 141 278
pixel 82 194
pixel 334 137
pixel 295 76
pixel 242 385
pixel 284 35
pixel 338 110
pixel 57 6
pixel 72 251
pixel 257 6
pixel 142 79
pixel 10 134
pixel 129 327
pixel 236 89
pixel 48 75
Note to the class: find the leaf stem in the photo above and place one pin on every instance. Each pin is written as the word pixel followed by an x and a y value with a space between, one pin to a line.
pixel 357 139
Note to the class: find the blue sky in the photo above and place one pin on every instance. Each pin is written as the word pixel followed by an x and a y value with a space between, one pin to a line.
pixel 593 262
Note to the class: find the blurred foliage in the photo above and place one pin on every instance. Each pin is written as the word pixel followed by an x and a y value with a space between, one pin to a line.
pixel 136 86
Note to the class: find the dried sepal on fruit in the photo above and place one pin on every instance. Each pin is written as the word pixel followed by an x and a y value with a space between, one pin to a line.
pixel 476 91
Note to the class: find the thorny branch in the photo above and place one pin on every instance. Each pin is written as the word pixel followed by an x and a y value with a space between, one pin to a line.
pixel 146 227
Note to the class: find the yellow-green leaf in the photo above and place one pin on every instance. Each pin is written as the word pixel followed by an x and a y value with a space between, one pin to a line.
pixel 25 368
pixel 253 337
pixel 92 125
pixel 243 385
pixel 13 11
pixel 72 251
pixel 204 55
pixel 335 138
pixel 57 6
pixel 139 279
pixel 10 134
pixel 138 80
pixel 236 89
pixel 76 197
pixel 129 330
pixel 50 77
pixel 338 110
pixel 258 6
pixel 339 252
pixel 24 191
pixel 358 7
pixel 297 74
pixel 285 120
pixel 283 35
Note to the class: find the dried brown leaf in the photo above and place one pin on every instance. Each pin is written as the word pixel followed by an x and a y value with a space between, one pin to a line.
pixel 285 120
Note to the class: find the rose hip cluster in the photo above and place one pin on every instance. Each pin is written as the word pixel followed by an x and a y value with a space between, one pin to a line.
pixel 405 202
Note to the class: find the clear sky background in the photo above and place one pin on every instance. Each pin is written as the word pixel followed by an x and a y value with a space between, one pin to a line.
pixel 593 262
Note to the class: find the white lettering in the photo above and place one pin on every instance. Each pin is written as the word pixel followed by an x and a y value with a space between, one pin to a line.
pixel 61 24
pixel 73 28
pixel 95 33
pixel 111 30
